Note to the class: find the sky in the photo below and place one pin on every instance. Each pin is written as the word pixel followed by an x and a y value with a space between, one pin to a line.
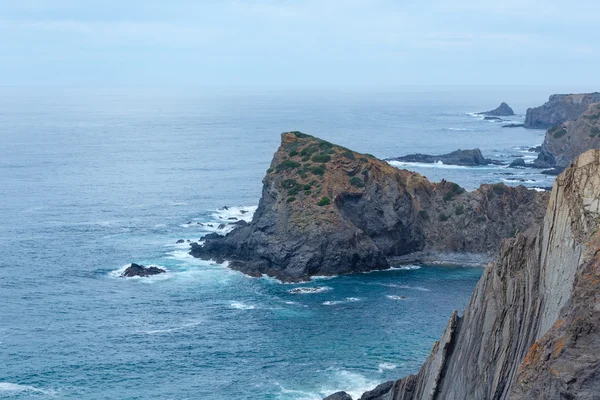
pixel 299 44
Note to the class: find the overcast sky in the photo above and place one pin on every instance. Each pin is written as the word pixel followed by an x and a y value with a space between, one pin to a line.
pixel 311 43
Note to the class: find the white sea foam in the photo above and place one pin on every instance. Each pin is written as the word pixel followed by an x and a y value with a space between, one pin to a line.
pixel 336 302
pixel 439 164
pixel 310 290
pixel 393 297
pixel 523 180
pixel 14 387
pixel 323 277
pixel 241 306
pixel 456 129
pixel 386 366
pixel 174 329
pixel 240 213
pixel 420 288
pixel 406 268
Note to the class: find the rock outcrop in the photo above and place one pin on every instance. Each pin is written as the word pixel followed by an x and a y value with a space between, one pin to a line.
pixel 532 327
pixel 564 142
pixel 558 109
pixel 503 110
pixel 326 210
pixel 468 158
pixel 141 271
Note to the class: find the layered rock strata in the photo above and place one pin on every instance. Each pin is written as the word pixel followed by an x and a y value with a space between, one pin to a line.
pixel 558 109
pixel 532 327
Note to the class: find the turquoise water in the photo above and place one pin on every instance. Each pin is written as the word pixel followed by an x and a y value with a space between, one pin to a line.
pixel 92 181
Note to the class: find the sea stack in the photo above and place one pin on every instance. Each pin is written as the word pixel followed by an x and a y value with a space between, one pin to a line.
pixel 503 110
pixel 327 210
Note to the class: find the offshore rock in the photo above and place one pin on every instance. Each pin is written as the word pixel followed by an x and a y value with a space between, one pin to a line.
pixel 558 109
pixel 468 158
pixel 503 110
pixel 326 210
pixel 532 327
pixel 142 271
pixel 339 396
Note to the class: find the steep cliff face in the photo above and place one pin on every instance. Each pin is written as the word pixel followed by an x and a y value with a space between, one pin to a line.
pixel 564 142
pixel 532 327
pixel 558 109
pixel 328 210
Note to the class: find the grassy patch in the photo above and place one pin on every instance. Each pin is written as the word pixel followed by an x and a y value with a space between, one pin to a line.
pixel 300 134
pixel 348 154
pixel 319 170
pixel 308 151
pixel 321 158
pixel 325 201
pixel 293 153
pixel 454 191
pixel 557 131
pixel 290 199
pixel 287 165
pixel 356 181
pixel 499 188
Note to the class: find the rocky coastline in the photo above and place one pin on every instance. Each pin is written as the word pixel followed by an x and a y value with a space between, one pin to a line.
pixel 558 109
pixel 327 210
pixel 467 158
pixel 532 327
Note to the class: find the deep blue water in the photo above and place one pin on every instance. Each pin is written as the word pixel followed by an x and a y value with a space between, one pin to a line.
pixel 93 180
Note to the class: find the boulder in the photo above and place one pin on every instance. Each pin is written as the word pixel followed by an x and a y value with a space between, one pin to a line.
pixel 142 271
pixel 518 163
pixel 180 241
pixel 339 396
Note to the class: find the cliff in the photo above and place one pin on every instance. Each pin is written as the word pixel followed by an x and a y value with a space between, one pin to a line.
pixel 564 142
pixel 326 210
pixel 558 109
pixel 532 327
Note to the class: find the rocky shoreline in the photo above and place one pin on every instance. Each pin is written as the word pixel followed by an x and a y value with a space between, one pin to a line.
pixel 532 327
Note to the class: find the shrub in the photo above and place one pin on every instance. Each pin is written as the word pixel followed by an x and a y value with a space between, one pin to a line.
pixel 325 144
pixel 557 131
pixel 454 191
pixel 321 158
pixel 269 170
pixel 459 210
pixel 319 170
pixel 293 153
pixel 499 188
pixel 444 217
pixel 309 150
pixel 348 154
pixel 356 181
pixel 286 165
pixel 300 134
pixel 324 201
pixel 369 155
pixel 306 158
pixel 363 159
pixel 424 216
pixel 288 183
pixel 306 187
pixel 290 199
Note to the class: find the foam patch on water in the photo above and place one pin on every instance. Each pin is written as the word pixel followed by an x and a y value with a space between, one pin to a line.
pixel 336 302
pixel 409 287
pixel 394 297
pixel 16 388
pixel 352 383
pixel 239 213
pixel 456 129
pixel 520 180
pixel 386 367
pixel 406 268
pixel 238 305
pixel 168 330
pixel 439 164
pixel 310 290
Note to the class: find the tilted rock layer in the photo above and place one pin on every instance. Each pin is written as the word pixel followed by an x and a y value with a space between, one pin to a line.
pixel 558 109
pixel 327 210
pixel 564 142
pixel 532 327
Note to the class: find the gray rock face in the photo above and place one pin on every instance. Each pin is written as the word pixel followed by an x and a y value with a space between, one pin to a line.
pixel 518 163
pixel 141 271
pixel 469 158
pixel 503 110
pixel 558 109
pixel 532 327
pixel 339 396
pixel 353 212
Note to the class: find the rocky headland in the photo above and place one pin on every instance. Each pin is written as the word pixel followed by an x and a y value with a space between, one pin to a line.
pixel 558 109
pixel 468 158
pixel 327 210
pixel 503 110
pixel 532 327
pixel 565 141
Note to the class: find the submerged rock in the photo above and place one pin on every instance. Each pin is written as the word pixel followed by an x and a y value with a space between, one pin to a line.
pixel 468 158
pixel 532 327
pixel 140 270
pixel 180 241
pixel 492 119
pixel 326 210
pixel 503 110
pixel 513 126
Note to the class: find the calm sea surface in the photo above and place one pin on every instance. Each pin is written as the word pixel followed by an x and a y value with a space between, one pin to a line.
pixel 93 180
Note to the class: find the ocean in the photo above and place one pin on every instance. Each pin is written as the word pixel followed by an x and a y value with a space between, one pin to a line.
pixel 93 180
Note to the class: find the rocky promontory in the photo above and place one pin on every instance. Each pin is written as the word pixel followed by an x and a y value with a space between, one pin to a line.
pixel 565 141
pixel 503 110
pixel 558 109
pixel 468 158
pixel 532 327
pixel 327 210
